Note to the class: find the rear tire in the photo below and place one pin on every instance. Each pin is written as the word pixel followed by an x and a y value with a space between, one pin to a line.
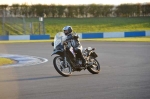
pixel 61 69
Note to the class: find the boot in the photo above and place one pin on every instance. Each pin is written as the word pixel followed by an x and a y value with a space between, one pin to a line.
pixel 83 62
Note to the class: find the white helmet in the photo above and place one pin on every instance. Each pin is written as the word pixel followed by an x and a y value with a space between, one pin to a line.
pixel 68 28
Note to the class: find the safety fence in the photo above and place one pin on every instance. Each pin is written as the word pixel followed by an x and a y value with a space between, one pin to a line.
pixel 11 24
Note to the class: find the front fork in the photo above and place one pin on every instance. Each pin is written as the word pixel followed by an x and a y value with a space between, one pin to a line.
pixel 88 59
pixel 65 59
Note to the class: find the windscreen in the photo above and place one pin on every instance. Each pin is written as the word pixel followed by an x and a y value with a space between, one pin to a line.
pixel 59 38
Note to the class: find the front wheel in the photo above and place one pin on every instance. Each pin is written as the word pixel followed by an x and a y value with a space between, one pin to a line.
pixel 95 67
pixel 60 67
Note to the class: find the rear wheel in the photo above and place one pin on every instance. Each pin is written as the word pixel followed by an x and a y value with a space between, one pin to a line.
pixel 95 67
pixel 60 67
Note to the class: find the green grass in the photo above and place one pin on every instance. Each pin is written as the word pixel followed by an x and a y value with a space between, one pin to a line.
pixel 54 25
pixel 0 27
pixel 109 24
pixel 12 31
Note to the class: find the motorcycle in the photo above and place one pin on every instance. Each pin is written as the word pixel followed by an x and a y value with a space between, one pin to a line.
pixel 66 61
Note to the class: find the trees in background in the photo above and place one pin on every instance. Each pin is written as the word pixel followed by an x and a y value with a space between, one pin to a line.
pixel 77 11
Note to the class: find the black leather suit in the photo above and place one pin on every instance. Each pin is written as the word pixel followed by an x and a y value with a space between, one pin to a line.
pixel 77 47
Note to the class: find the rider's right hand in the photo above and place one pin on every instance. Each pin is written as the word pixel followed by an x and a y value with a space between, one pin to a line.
pixel 76 37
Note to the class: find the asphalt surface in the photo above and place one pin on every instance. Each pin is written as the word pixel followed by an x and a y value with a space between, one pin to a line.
pixel 125 73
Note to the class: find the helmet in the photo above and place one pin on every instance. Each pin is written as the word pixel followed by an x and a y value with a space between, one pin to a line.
pixel 67 29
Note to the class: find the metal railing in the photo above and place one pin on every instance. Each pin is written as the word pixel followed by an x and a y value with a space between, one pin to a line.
pixel 13 25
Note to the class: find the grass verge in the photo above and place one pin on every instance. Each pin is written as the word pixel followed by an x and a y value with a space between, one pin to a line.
pixel 129 39
pixel 103 24
pixel 5 61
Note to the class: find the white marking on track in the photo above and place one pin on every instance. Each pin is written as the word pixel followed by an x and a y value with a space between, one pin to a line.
pixel 23 60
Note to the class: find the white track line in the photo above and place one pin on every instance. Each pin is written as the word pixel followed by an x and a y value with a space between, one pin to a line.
pixel 23 60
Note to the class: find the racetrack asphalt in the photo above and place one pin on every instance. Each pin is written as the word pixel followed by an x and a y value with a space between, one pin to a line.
pixel 125 73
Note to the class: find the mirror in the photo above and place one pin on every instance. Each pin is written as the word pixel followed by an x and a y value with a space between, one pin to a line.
pixel 52 43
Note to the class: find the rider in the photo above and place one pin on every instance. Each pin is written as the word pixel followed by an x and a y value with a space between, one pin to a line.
pixel 77 47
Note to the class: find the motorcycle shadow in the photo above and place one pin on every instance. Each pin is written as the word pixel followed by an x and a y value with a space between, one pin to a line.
pixel 74 75
pixel 48 77
pixel 31 79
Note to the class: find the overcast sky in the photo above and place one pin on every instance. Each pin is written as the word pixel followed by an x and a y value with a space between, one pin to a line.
pixel 63 2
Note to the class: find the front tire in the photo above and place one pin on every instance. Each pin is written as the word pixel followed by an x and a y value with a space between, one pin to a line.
pixel 95 68
pixel 60 68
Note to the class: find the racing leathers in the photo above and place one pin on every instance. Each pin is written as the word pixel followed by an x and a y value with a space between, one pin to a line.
pixel 77 47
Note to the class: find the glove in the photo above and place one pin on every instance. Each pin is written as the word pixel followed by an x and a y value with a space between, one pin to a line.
pixel 76 37
pixel 65 43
